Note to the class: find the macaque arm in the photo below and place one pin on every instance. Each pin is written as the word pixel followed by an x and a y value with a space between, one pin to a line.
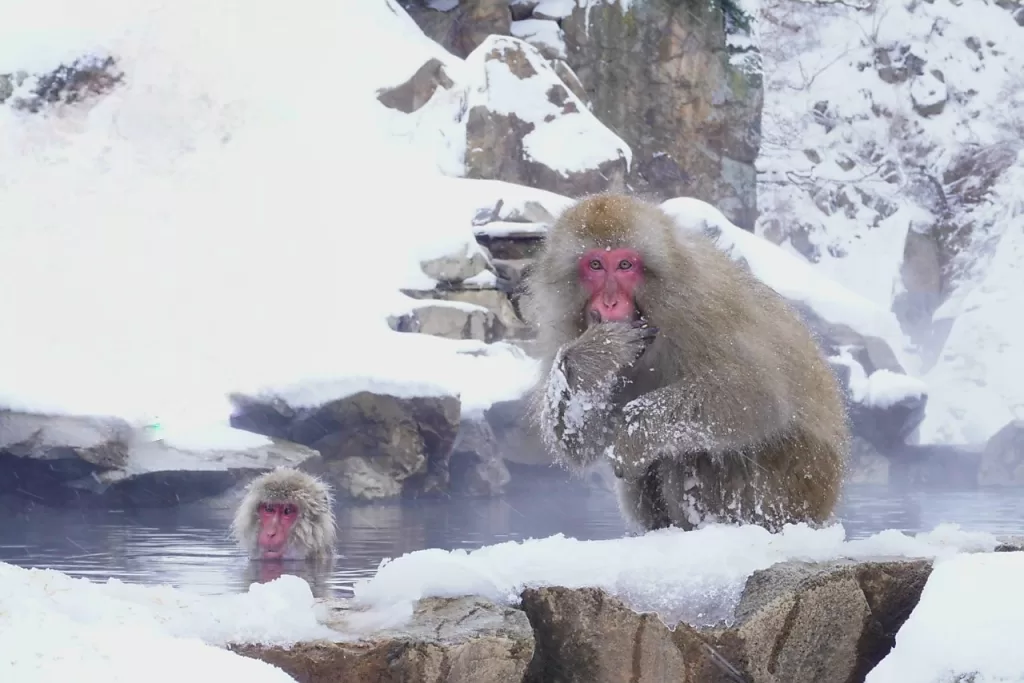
pixel 577 402
pixel 685 419
pixel 572 413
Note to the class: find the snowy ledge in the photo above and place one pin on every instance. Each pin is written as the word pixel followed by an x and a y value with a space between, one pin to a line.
pixel 768 607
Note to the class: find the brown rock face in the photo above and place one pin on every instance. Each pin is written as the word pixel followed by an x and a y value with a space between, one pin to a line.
pixel 460 640
pixel 417 91
pixel 659 75
pixel 476 466
pixel 503 145
pixel 374 446
pixel 478 19
pixel 451 321
pixel 796 623
pixel 461 25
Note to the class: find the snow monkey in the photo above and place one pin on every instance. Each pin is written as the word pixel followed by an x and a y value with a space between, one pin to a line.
pixel 700 384
pixel 286 515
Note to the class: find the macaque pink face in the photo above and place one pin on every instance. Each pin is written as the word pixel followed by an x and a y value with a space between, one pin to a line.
pixel 611 277
pixel 276 521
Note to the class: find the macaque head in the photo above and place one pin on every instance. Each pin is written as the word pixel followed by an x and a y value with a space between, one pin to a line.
pixel 286 515
pixel 611 278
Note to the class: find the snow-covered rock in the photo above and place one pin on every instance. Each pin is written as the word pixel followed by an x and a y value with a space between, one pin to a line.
pixel 97 461
pixel 451 320
pixel 524 125
pixel 374 445
pixel 80 79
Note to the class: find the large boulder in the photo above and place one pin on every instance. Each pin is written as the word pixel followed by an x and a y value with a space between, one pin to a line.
pixel 515 436
pixel 795 623
pixel 374 446
pixel 661 74
pixel 106 462
pixel 447 640
pixel 476 465
pixel 548 139
pixel 451 320
pixel 885 404
pixel 1002 461
pixel 41 454
pixel 488 296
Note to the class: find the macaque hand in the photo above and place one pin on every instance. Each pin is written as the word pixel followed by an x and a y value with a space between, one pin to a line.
pixel 606 349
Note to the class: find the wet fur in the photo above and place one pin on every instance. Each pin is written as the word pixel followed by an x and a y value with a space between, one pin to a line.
pixel 312 536
pixel 742 418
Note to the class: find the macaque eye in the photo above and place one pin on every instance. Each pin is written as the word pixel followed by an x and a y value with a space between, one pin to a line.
pixel 595 264
pixel 268 507
pixel 289 510
pixel 625 264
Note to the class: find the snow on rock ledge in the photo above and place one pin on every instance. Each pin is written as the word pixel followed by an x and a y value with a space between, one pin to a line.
pixel 524 125
pixel 108 462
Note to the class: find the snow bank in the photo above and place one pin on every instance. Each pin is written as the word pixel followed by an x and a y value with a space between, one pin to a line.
pixel 708 566
pixel 788 274
pixel 57 628
pixel 966 626
pixel 221 221
pixel 978 375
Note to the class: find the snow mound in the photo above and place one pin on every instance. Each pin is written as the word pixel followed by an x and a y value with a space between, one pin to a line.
pixel 979 593
pixel 709 566
pixel 55 628
pixel 202 230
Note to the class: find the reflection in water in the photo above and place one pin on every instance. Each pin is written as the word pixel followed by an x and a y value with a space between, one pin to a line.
pixel 190 547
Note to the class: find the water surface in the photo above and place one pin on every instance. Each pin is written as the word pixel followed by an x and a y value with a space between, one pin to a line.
pixel 190 547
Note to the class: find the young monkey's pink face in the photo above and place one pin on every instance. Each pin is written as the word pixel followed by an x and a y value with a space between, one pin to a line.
pixel 611 277
pixel 276 521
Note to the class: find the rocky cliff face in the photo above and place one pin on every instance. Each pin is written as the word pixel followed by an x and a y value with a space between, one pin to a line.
pixel 677 81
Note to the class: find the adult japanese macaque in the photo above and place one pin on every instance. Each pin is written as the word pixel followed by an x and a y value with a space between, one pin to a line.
pixel 286 514
pixel 704 389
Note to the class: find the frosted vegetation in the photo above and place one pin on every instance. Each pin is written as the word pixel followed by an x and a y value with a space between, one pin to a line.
pixel 852 161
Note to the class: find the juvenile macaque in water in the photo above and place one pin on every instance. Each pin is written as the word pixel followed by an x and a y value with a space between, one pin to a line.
pixel 704 389
pixel 286 515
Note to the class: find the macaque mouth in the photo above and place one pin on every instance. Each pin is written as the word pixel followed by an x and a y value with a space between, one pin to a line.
pixel 595 316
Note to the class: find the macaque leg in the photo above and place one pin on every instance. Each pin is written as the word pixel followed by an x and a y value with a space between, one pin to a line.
pixel 641 503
